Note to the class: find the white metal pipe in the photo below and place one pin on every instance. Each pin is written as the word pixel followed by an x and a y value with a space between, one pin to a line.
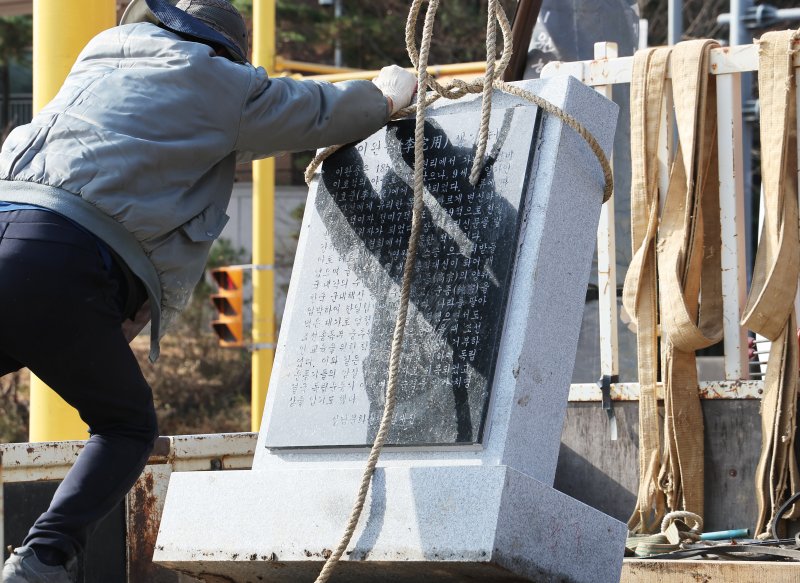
pixel 644 31
pixel 607 256
pixel 731 202
pixel 708 390
pixel 337 52
pixel 724 61
pixel 674 21
pixel 727 64
pixel 777 13
pixel 739 35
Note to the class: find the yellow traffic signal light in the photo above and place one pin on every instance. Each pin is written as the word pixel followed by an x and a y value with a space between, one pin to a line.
pixel 229 304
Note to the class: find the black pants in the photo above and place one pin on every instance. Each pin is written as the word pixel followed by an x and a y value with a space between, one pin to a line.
pixel 61 308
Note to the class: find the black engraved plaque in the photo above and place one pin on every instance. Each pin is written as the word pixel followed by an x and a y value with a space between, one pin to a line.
pixel 332 366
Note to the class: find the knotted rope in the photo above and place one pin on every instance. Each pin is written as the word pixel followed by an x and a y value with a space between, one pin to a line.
pixel 458 88
pixel 454 90
pixel 648 545
pixel 695 531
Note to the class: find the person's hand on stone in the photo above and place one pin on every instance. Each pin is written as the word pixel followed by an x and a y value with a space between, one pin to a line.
pixel 398 85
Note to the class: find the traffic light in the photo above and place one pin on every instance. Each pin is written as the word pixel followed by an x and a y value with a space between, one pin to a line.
pixel 228 303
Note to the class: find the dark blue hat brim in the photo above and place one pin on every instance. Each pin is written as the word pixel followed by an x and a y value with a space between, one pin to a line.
pixel 179 21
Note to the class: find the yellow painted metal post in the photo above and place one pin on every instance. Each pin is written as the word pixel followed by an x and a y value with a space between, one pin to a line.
pixel 263 230
pixel 60 30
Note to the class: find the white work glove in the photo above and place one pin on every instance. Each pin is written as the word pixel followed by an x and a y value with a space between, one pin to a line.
pixel 397 85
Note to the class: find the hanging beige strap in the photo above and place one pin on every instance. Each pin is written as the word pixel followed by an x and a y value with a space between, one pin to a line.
pixel 689 271
pixel 776 268
pixel 777 471
pixel 770 305
pixel 640 289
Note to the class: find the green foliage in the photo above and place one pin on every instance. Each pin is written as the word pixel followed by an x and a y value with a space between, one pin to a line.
pixel 372 34
pixel 224 253
pixel 15 38
pixel 297 215
pixel 699 19
pixel 244 6
pixel 198 387
pixel 15 397
pixel 15 42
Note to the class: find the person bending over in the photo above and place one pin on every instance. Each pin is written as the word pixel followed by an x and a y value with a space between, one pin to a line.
pixel 109 202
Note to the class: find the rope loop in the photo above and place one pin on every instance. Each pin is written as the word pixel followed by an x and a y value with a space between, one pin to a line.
pixel 458 88
pixel 500 18
pixel 683 515
pixel 494 71
pixel 454 90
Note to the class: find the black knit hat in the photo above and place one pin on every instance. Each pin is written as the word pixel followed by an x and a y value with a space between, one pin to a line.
pixel 215 21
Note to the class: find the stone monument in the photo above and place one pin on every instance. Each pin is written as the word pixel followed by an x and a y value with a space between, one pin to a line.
pixel 463 489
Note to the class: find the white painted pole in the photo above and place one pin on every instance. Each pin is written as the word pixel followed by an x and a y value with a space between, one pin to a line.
pixel 674 21
pixel 607 272
pixel 731 202
pixel 738 35
pixel 337 51
pixel 607 256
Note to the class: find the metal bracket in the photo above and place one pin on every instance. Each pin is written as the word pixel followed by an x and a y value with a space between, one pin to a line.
pixel 605 383
pixel 761 16
pixel 751 110
pixel 261 346
pixel 254 267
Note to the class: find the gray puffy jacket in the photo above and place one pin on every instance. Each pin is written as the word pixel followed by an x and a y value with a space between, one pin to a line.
pixel 141 142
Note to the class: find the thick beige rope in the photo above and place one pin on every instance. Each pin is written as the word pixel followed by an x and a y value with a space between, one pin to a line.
pixel 458 88
pixel 402 310
pixel 454 90
pixel 683 515
pixel 486 100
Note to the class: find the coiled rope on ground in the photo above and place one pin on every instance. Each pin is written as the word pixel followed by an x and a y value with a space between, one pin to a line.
pixel 456 89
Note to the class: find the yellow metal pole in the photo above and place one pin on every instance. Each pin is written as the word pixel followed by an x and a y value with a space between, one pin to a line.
pixel 263 230
pixel 60 30
pixel 282 65
pixel 467 70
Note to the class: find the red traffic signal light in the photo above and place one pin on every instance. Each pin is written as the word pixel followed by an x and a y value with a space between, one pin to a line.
pixel 228 302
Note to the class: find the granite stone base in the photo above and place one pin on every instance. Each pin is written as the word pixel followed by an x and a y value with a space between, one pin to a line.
pixel 424 523
pixel 465 496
